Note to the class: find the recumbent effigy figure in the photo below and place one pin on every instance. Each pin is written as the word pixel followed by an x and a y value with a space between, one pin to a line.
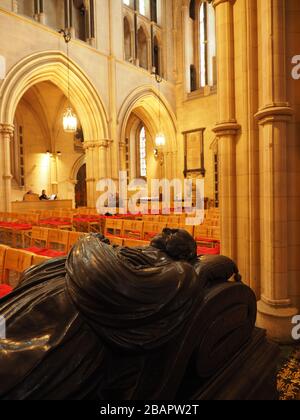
pixel 117 323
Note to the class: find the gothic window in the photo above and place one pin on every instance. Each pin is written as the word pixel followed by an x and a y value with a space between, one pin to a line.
pixel 144 8
pixel 142 48
pixel 202 44
pixel 127 41
pixel 207 44
pixel 142 150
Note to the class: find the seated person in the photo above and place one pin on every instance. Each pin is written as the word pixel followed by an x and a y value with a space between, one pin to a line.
pixel 44 196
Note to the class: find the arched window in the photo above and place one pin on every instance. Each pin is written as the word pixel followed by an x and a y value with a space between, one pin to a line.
pixel 201 34
pixel 207 44
pixel 142 48
pixel 144 8
pixel 127 40
pixel 142 150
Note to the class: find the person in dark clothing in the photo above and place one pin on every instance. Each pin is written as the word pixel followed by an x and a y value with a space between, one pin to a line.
pixel 44 196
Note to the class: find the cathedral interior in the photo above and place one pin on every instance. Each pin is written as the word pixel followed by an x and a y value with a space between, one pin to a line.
pixel 150 211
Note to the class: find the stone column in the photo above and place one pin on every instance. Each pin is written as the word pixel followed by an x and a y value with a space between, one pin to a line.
pixel 90 174
pixel 6 133
pixel 96 166
pixel 274 309
pixel 227 127
pixel 122 151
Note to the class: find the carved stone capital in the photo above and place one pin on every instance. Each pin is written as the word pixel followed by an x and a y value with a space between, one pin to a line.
pixel 105 143
pixel 218 2
pixel 230 128
pixel 7 129
pixel 122 145
pixel 276 113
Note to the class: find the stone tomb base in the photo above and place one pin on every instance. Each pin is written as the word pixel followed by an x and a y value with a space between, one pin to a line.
pixel 251 375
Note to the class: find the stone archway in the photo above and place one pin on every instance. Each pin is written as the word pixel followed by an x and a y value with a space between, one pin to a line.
pixel 154 110
pixel 53 66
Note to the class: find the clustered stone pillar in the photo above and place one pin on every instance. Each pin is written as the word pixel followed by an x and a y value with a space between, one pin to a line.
pixel 96 166
pixel 274 309
pixel 6 133
pixel 227 127
pixel 122 151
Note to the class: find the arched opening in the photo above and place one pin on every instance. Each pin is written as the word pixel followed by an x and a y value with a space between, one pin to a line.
pixel 80 188
pixel 150 110
pixel 127 41
pixel 52 68
pixel 142 48
pixel 43 154
pixel 141 162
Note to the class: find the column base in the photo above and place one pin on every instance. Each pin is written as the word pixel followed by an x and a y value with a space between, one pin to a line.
pixel 277 321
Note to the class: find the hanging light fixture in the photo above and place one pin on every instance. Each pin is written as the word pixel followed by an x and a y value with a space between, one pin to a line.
pixel 160 139
pixel 70 122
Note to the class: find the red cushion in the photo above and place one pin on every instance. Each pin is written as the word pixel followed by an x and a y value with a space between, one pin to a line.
pixel 21 227
pixel 36 250
pixel 201 250
pixel 209 240
pixel 5 290
pixel 51 253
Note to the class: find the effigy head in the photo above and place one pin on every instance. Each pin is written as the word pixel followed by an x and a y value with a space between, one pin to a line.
pixel 177 243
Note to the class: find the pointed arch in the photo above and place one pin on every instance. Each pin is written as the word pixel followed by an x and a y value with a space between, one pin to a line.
pixel 149 102
pixel 53 66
